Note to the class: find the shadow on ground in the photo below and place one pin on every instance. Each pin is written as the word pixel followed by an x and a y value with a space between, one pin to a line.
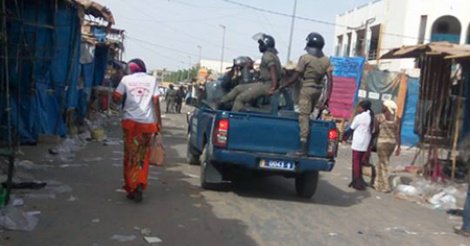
pixel 279 188
pixel 172 209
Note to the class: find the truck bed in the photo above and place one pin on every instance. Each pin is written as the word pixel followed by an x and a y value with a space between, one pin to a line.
pixel 262 133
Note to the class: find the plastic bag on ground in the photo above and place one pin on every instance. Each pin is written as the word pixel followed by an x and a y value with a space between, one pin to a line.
pixel 28 165
pixel 12 218
pixel 152 240
pixel 407 190
pixel 443 200
pixel 66 150
pixel 123 238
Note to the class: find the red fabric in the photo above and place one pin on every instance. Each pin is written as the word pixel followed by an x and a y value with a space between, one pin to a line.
pixel 116 96
pixel 104 102
pixel 342 97
pixel 134 68
pixel 358 158
pixel 137 139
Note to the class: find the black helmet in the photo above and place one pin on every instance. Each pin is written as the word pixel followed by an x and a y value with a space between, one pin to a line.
pixel 265 41
pixel 315 40
pixel 242 61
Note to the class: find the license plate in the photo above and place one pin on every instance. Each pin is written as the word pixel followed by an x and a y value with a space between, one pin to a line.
pixel 277 165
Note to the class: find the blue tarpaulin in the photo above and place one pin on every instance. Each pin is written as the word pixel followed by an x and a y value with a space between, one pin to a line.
pixel 348 67
pixel 408 135
pixel 84 93
pixel 347 72
pixel 101 62
pixel 43 82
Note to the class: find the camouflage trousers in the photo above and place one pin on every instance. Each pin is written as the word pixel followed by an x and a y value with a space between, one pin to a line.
pixel 384 151
pixel 307 101
pixel 235 92
pixel 252 92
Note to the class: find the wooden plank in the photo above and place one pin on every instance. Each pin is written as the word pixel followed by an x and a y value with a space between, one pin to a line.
pixel 401 98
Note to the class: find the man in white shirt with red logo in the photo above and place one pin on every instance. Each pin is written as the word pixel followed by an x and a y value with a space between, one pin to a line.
pixel 141 122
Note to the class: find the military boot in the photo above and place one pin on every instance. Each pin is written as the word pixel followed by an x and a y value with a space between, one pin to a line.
pixel 303 150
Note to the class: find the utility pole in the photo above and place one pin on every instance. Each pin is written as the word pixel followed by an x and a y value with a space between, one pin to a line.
pixel 189 70
pixel 291 31
pixel 200 56
pixel 223 49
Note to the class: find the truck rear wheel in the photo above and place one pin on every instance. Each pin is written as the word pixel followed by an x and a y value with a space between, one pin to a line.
pixel 207 171
pixel 191 158
pixel 306 184
pixel 203 160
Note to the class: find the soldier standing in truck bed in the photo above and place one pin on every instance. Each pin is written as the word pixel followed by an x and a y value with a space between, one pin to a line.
pixel 311 69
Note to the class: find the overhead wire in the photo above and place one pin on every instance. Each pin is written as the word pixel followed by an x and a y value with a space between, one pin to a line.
pixel 182 21
pixel 160 54
pixel 173 29
pixel 305 18
pixel 161 46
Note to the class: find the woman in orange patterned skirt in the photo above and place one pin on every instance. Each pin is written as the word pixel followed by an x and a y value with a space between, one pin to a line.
pixel 141 122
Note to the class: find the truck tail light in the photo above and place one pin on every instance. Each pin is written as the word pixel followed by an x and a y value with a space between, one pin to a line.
pixel 332 143
pixel 220 136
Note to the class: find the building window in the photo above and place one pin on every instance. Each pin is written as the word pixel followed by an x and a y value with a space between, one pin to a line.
pixel 374 51
pixel 422 29
pixel 347 49
pixel 339 46
pixel 446 28
pixel 360 40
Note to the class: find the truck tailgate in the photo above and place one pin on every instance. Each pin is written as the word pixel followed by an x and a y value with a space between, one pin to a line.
pixel 274 134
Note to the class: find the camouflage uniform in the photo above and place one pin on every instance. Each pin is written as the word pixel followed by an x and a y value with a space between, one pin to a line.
pixel 262 87
pixel 235 92
pixel 312 70
pixel 170 99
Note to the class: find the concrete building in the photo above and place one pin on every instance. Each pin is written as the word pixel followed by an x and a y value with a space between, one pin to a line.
pixel 214 65
pixel 372 29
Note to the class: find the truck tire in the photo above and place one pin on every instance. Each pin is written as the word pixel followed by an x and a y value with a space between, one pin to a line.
pixel 211 177
pixel 306 184
pixel 203 176
pixel 191 158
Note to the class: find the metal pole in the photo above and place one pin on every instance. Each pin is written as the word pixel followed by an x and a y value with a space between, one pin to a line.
pixel 223 49
pixel 7 78
pixel 189 69
pixel 291 31
pixel 200 56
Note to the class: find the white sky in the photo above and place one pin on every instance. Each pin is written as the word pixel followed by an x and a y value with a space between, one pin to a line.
pixel 171 30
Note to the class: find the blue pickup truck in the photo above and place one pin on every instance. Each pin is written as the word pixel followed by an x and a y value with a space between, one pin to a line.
pixel 257 139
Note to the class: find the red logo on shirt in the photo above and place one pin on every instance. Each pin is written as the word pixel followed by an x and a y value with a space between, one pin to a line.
pixel 140 91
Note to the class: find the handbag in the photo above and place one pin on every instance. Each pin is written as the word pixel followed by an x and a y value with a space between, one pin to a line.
pixel 367 168
pixel 157 151
pixel 375 136
pixel 373 143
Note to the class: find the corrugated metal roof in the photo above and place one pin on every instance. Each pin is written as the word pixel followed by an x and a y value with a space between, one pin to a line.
pixel 438 48
pixel 95 9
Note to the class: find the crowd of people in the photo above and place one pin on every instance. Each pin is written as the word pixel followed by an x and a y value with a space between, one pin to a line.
pixel 174 99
